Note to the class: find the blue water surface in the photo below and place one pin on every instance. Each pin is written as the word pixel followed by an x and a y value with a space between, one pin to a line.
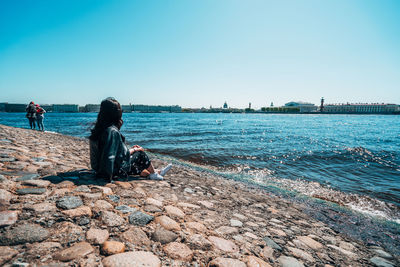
pixel 351 153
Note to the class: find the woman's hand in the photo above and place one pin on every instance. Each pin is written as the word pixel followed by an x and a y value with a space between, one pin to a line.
pixel 135 148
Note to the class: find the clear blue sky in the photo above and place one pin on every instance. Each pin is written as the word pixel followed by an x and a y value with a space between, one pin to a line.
pixel 200 53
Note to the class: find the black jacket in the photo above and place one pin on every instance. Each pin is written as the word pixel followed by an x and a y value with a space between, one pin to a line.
pixel 109 155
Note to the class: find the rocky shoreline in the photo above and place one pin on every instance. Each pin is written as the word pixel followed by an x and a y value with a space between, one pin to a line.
pixel 53 212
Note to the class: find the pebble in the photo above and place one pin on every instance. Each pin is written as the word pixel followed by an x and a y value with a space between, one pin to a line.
pixel 75 252
pixel 28 190
pixel 271 243
pixel 289 262
pixel 298 253
pixel 42 207
pixel 69 202
pixel 174 212
pixel 310 242
pixel 140 218
pixel 163 236
pixel 154 202
pixel 168 223
pixel 226 230
pixel 30 176
pixel 8 217
pixel 114 198
pixel 226 262
pixel 137 237
pixel 178 251
pixel 381 262
pixel 102 205
pixel 383 254
pixel 196 227
pixel 37 183
pixel 132 259
pixel 112 247
pixel 253 261
pixel 5 197
pixel 236 223
pixel 6 254
pixel 125 209
pixel 81 211
pixel 223 244
pixel 25 233
pixel 206 204
pixel 198 241
pixel 97 236
pixel 110 218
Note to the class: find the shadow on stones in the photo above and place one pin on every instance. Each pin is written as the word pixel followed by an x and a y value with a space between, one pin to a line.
pixel 86 177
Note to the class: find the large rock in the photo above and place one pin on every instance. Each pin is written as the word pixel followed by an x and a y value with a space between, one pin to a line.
pixel 8 217
pixel 75 252
pixel 223 244
pixel 236 223
pixel 163 236
pixel 178 251
pixel 26 233
pixel 111 219
pixel 168 223
pixel 137 237
pixel 69 202
pixel 140 218
pixel 97 236
pixel 289 262
pixel 132 259
pixel 226 262
pixel 112 247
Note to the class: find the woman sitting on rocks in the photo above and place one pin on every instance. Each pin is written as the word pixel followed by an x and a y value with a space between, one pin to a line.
pixel 109 155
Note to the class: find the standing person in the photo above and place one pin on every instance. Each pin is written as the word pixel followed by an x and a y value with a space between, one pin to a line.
pixel 31 114
pixel 109 155
pixel 40 117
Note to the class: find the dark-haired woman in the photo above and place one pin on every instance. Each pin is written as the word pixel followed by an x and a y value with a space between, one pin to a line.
pixel 109 155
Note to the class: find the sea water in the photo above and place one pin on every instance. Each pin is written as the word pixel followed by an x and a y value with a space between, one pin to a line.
pixel 353 160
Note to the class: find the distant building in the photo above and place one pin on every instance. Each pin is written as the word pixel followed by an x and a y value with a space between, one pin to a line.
pixel 3 107
pixel 92 108
pixel 304 107
pixel 126 108
pixel 48 108
pixel 65 108
pixel 15 107
pixel 155 109
pixel 362 108
pixel 225 105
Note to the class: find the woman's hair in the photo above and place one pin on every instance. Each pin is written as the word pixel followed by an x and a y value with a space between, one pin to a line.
pixel 110 114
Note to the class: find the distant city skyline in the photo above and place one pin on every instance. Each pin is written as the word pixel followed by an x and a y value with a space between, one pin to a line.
pixel 200 53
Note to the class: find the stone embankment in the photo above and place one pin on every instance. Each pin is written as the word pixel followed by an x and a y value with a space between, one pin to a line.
pixel 55 213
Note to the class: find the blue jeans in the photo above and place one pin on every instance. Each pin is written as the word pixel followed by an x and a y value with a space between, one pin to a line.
pixel 39 121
